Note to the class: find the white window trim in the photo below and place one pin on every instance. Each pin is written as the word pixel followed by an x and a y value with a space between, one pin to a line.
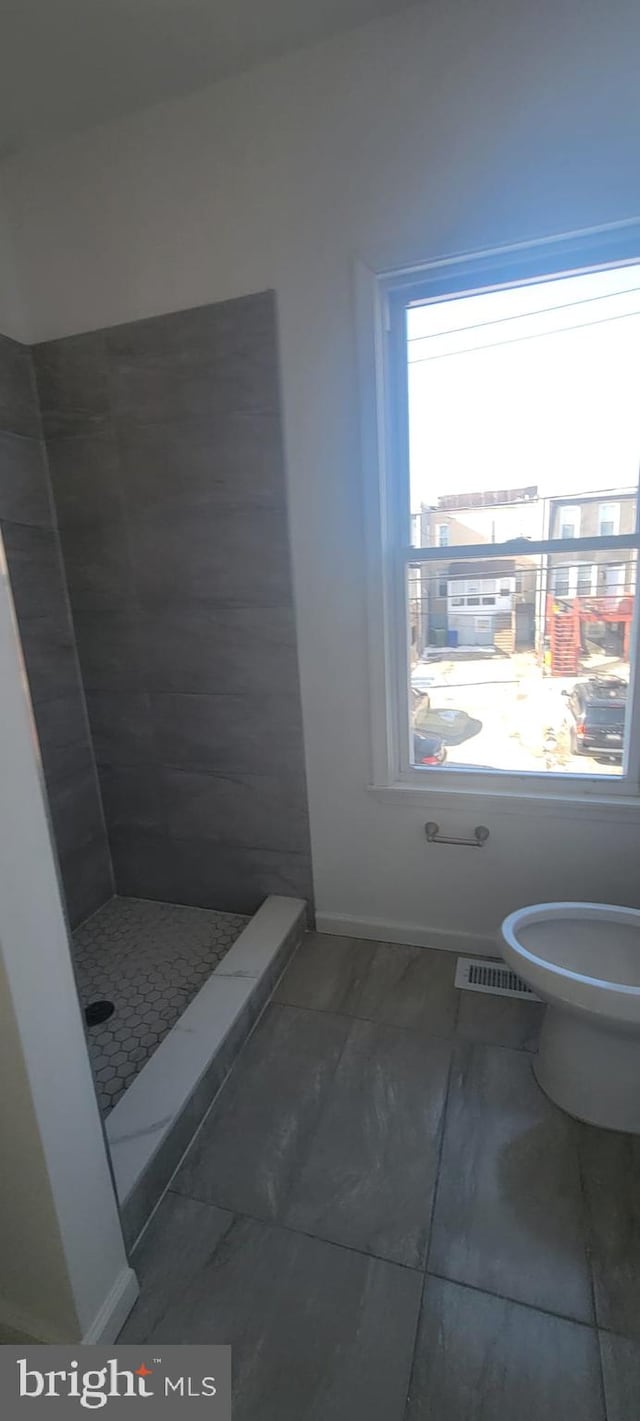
pixel 616 518
pixel 386 505
pixel 574 520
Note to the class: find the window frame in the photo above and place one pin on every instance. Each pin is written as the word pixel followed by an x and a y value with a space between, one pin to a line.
pixel 380 297
pixel 569 508
pixel 610 503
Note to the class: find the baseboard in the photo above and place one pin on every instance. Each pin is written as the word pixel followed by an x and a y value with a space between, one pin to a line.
pixel 115 1309
pixel 446 939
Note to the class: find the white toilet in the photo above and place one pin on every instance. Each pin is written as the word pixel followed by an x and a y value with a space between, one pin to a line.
pixel 583 959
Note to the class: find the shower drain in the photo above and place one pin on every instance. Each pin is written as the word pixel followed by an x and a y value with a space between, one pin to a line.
pixel 97 1012
pixel 475 974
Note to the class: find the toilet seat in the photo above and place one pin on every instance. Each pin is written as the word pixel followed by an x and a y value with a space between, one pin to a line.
pixel 563 950
pixel 583 960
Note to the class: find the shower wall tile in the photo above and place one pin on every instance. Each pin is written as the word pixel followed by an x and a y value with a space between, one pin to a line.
pixel 98 566
pixel 110 647
pixel 85 478
pixel 75 810
pixel 87 875
pixel 33 557
pixel 165 448
pixel 50 659
pixel 73 385
pixel 225 733
pixel 243 651
pixel 231 458
pixel 195 363
pixel 218 557
pixel 196 872
pixel 24 491
pixel 41 603
pixel 121 727
pixel 252 811
pixel 64 744
pixel 18 403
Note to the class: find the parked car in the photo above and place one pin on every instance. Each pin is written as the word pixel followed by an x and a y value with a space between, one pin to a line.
pixel 596 716
pixel 428 749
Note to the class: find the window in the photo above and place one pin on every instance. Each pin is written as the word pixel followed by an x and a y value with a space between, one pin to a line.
pixel 503 380
pixel 561 582
pixel 569 522
pixel 608 520
pixel 442 589
pixel 584 584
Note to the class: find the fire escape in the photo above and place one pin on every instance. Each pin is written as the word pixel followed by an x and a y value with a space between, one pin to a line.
pixel 566 617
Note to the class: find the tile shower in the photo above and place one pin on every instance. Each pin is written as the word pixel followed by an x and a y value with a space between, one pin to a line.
pixel 143 515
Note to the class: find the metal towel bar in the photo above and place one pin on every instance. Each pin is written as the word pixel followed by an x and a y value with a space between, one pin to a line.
pixel 480 836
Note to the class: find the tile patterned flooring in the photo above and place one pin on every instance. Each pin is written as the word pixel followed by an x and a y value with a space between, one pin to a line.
pixel 149 959
pixel 388 1220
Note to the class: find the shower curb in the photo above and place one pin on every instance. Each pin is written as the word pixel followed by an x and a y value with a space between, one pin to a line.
pixel 152 1125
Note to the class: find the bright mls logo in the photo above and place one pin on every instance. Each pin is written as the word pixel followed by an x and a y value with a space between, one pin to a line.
pixel 96 1378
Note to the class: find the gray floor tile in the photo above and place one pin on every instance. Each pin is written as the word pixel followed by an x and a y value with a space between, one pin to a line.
pixel 178 1244
pixel 611 1176
pixel 255 1140
pixel 479 1358
pixel 509 1210
pixel 317 1332
pixel 370 1175
pixel 411 987
pixel 621 1371
pixel 327 973
pixel 500 1020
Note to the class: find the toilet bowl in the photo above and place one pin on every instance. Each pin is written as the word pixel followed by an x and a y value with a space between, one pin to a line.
pixel 583 960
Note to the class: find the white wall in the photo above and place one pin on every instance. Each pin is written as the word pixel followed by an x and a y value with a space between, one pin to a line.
pixel 455 126
pixel 63 1271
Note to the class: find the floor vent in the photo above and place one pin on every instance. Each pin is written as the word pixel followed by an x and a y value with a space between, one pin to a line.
pixel 476 974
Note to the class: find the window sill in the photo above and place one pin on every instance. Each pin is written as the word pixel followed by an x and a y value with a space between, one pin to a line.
pixel 530 804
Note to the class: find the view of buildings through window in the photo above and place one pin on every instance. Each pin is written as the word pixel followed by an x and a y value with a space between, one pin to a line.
pixel 524 428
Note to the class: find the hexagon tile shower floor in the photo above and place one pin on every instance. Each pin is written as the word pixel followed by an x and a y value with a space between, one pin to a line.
pixel 150 960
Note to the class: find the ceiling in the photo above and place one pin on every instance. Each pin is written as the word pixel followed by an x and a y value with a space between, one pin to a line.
pixel 66 64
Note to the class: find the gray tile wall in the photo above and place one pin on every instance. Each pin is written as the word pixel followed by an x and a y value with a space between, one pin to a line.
pixel 165 450
pixel 42 609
